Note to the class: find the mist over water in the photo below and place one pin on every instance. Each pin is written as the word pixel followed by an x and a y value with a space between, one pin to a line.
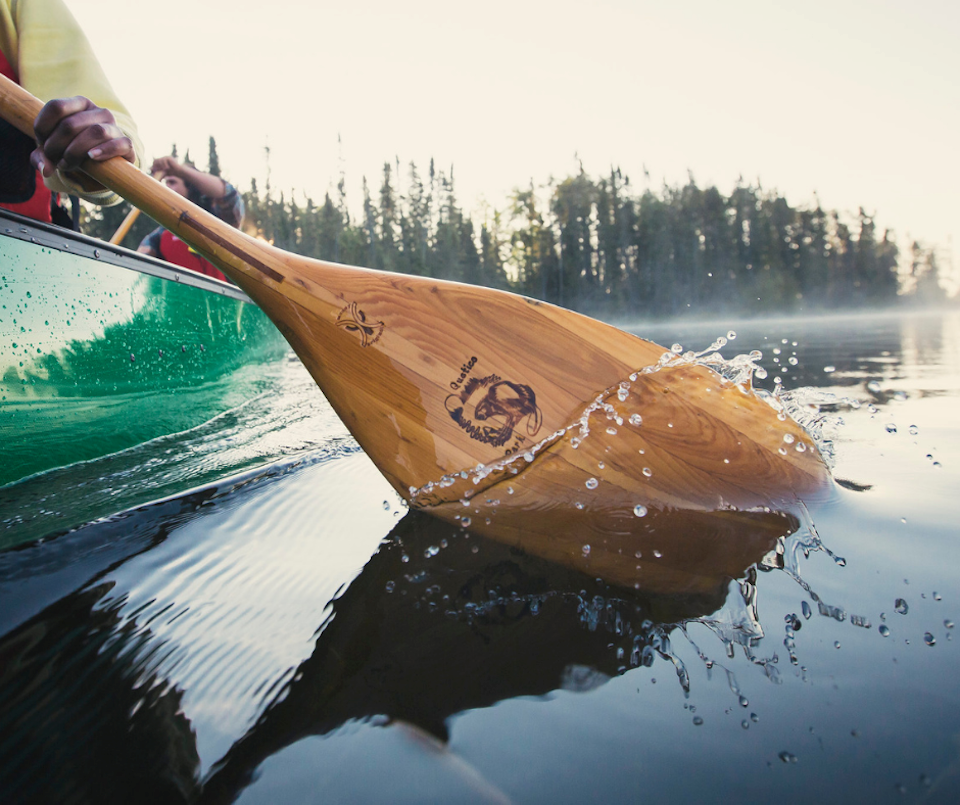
pixel 294 632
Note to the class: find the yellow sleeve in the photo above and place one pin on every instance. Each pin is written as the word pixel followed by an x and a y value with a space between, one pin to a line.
pixel 54 60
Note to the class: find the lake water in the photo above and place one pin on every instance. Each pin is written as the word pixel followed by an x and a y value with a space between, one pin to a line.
pixel 294 634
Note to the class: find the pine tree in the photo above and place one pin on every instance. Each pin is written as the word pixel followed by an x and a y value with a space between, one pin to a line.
pixel 213 160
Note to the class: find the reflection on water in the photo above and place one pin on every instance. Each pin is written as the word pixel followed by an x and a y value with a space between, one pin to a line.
pixel 294 633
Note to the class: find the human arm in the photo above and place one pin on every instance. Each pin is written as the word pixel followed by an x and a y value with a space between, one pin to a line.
pixel 225 202
pixel 54 60
pixel 206 184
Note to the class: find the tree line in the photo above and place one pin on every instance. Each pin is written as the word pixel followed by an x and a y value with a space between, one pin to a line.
pixel 597 244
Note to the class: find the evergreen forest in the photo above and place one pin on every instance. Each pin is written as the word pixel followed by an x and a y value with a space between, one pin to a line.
pixel 596 244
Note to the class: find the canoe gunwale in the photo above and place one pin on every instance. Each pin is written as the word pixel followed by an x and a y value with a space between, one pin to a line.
pixel 66 240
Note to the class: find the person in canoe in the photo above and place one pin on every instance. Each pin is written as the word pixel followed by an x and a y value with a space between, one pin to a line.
pixel 210 192
pixel 43 49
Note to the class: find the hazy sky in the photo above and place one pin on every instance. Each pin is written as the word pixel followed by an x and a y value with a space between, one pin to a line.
pixel 855 100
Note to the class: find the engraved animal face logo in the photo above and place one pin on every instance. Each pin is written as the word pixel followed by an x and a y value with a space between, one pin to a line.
pixel 491 410
pixel 354 320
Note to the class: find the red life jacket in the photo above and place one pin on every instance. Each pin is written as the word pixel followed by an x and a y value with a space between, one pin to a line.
pixel 36 206
pixel 174 250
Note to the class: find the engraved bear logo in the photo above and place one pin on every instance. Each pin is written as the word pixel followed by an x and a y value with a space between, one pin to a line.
pixel 514 402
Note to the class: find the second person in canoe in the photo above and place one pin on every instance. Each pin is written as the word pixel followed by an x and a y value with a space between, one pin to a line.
pixel 205 190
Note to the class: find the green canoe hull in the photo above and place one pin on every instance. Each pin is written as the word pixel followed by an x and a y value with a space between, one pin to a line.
pixel 102 349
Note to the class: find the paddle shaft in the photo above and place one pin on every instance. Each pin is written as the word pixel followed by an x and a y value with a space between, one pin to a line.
pixel 124 227
pixel 131 219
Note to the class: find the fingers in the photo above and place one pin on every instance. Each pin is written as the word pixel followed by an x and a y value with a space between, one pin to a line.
pixel 71 130
pixel 165 166
pixel 55 111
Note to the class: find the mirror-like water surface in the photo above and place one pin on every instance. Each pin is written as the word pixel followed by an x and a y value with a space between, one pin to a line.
pixel 293 634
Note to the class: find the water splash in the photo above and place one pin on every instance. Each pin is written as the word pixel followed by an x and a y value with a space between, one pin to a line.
pixel 815 411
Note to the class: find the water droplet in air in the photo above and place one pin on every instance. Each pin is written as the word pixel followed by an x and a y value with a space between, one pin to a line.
pixel 901 606
pixel 657 554
pixel 836 644
pixel 801 447
pixel 873 386
pixel 761 373
pixel 647 472
pixel 929 639
pixel 787 757
pixel 586 550
pixel 639 555
pixel 433 550
pixel 578 504
pixel 829 369
pixel 404 558
pixel 640 510
pixel 731 335
pixel 636 419
pixel 937 596
pixel 676 349
pixel 805 609
pixel 793 361
pixel 601 465
pixel 948 623
pixel 891 427
pixel 465 522
pixel 528 457
pixel 789 438
pixel 698 721
pixel 592 483
pixel 386 505
pixel 622 394
pixel 574 442
pixel 390 586
pixel 884 630
pixel 754 718
pixel 612 431
pixel 914 430
pixel 744 702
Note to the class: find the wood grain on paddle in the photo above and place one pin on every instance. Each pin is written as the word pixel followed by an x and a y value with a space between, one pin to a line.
pixel 434 378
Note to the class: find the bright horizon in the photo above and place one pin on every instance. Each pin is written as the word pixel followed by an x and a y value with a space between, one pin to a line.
pixel 853 101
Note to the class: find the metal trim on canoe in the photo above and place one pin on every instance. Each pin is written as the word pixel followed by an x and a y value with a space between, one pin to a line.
pixel 66 240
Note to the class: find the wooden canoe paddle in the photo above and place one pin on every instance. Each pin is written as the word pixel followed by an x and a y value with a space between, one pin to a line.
pixel 124 227
pixel 453 389
pixel 130 219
